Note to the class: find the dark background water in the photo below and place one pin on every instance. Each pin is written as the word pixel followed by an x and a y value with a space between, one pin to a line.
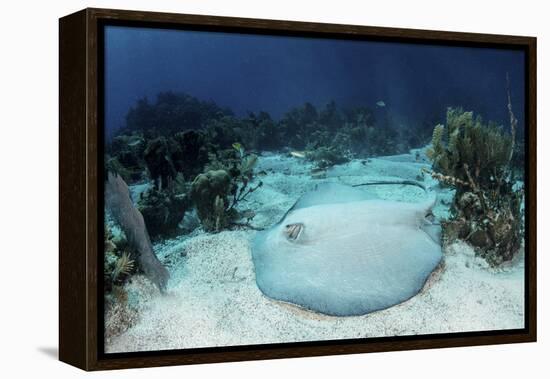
pixel 274 74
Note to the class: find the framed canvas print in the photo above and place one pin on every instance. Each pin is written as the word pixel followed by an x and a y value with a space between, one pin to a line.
pixel 236 189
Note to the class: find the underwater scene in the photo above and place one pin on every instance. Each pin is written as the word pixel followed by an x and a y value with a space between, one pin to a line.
pixel 264 189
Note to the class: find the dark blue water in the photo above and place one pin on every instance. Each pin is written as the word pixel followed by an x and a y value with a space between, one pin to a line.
pixel 274 73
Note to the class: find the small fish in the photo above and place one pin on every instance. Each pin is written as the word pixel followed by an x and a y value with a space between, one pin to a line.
pixel 319 172
pixel 380 103
pixel 262 173
pixel 297 154
pixel 135 142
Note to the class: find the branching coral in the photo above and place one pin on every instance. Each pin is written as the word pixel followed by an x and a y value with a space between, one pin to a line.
pixel 191 153
pixel 158 157
pixel 217 192
pixel 184 153
pixel 125 156
pixel 474 158
pixel 163 209
pixel 485 149
pixel 243 179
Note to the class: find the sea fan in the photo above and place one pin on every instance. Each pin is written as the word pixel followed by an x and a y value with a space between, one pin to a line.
pixel 119 203
pixel 437 135
pixel 476 161
pixel 436 149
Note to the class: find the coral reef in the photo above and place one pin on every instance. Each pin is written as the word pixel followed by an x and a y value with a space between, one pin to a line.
pixel 217 192
pixel 474 158
pixel 184 153
pixel 261 132
pixel 221 133
pixel 118 269
pixel 193 153
pixel 171 113
pixel 158 157
pixel 242 177
pixel 125 156
pixel 118 265
pixel 353 132
pixel 162 210
pixel 181 134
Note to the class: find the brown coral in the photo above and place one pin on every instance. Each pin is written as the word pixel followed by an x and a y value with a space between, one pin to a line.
pixel 474 159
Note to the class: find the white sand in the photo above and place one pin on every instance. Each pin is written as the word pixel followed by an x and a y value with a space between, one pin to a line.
pixel 213 299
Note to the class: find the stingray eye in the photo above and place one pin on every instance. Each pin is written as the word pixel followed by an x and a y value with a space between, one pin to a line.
pixel 430 216
pixel 293 231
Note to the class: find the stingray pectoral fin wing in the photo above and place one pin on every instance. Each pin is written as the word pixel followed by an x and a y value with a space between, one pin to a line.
pixel 378 268
pixel 332 193
pixel 409 256
pixel 345 258
pixel 348 273
pixel 433 231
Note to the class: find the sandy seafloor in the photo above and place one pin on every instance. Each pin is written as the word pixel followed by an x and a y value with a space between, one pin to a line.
pixel 212 298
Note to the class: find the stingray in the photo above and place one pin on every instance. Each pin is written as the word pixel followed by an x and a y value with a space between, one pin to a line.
pixel 341 251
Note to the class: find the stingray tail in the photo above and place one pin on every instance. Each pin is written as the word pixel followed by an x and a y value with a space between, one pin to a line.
pixel 393 182
pixel 427 205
